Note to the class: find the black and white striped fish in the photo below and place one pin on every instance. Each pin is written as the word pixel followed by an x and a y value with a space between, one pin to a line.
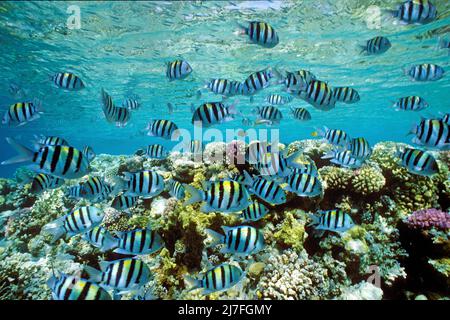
pixel 446 118
pixel 165 129
pixel 269 113
pixel 256 211
pixel 377 45
pixel 360 148
pixel 60 161
pixel 74 192
pixel 21 113
pixel 124 203
pixel 278 164
pixel 224 87
pixel 318 94
pixel 416 11
pixel 119 115
pixel 240 240
pixel 261 33
pixel 139 241
pixel 131 103
pixel 344 159
pixel 67 80
pixel 156 151
pixel 43 182
pixel 255 151
pixel 425 72
pixel 178 69
pixel 267 190
pixel 346 94
pixel 412 103
pixel 100 238
pixel 225 196
pixel 95 189
pixel 418 162
pixel 332 220
pixel 89 153
pixel 146 184
pixel 75 222
pixel 303 185
pixel 65 287
pixel 257 81
pixel 433 134
pixel 336 137
pixel 277 99
pixel 212 113
pixel 50 141
pixel 176 189
pixel 125 275
pixel 216 279
pixel 301 114
pixel 298 80
pixel 308 168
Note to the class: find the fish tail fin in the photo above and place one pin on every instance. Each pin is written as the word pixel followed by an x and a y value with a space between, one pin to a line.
pixel 195 195
pixel 362 48
pixel 329 155
pixel 293 158
pixel 214 238
pixel 94 275
pixel 412 130
pixel 232 108
pixel 248 180
pixel 241 29
pixel 315 219
pixel 24 154
pixel 110 243
pixel 192 283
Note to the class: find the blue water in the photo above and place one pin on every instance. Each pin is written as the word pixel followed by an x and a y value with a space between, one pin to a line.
pixel 123 47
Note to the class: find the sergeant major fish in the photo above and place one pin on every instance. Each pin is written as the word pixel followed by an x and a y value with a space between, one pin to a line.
pixel 267 190
pixel 138 242
pixel 119 115
pixel 260 33
pixel 212 113
pixel 412 103
pixel 178 69
pixel 303 185
pixel 240 240
pixel 418 162
pixel 42 182
pixel 147 184
pixel 67 80
pixel 432 133
pixel 65 287
pixel 346 94
pixel 415 11
pixel 425 72
pixel 301 114
pixel 165 129
pixel 332 220
pixel 22 112
pixel 344 158
pixel 377 45
pixel 100 238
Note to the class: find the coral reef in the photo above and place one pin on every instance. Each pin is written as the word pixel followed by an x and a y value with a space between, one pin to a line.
pixel 429 218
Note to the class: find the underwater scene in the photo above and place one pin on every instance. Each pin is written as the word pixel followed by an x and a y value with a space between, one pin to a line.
pixel 225 150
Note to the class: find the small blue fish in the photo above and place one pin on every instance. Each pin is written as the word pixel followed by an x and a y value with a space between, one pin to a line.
pixel 216 279
pixel 240 240
pixel 332 220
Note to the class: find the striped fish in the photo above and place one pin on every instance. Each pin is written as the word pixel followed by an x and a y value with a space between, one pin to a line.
pixel 346 95
pixel 67 80
pixel 256 211
pixel 178 69
pixel 139 241
pixel 74 192
pixel 224 87
pixel 344 159
pixel 446 118
pixel 50 141
pixel 165 129
pixel 416 11
pixel 240 240
pixel 418 162
pixel 120 116
pixel 75 222
pixel 22 112
pixel 224 196
pixel 42 182
pixel 309 168
pixel 124 203
pixel 212 113
pixel 257 81
pixel 298 80
pixel 59 161
pixel 261 33
pixel 377 45
pixel 95 189
pixel 360 148
pixel 319 95
pixel 176 189
pixel 412 103
pixel 268 191
pixel 425 72
pixel 66 287
pixel 131 103
pixel 304 185
pixel 156 151
pixel 124 275
pixel 216 279
pixel 276 99
pixel 147 184
pixel 89 153
pixel 433 134
pixel 301 114
pixel 277 164
pixel 100 238
pixel 255 151
pixel 336 137
pixel 332 220
pixel 272 114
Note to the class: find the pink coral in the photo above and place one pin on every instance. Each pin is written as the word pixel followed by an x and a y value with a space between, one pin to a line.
pixel 429 218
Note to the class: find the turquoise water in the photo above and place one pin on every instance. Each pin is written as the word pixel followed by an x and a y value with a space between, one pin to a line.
pixel 123 47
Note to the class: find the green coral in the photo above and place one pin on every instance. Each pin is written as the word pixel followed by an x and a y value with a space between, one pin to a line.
pixel 368 180
pixel 290 233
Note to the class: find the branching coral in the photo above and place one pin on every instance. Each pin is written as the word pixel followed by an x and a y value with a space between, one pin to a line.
pixel 367 180
pixel 429 218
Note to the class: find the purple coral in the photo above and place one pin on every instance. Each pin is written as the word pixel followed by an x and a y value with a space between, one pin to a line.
pixel 429 218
